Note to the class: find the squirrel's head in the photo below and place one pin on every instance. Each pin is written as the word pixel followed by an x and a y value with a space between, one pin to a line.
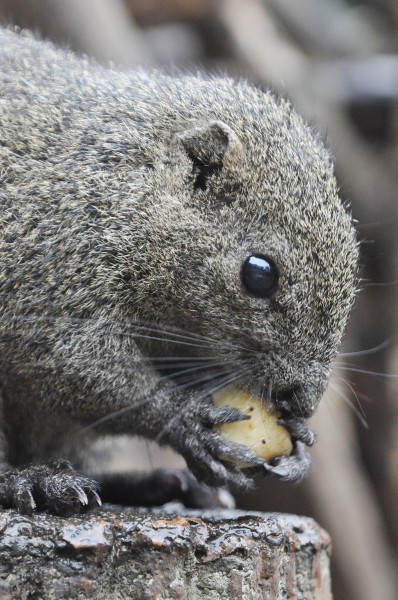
pixel 255 247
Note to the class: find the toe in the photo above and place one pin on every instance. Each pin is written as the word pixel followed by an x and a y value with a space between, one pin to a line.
pixel 294 467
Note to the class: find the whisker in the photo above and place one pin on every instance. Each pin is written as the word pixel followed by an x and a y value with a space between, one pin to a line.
pixel 165 340
pixel 264 405
pixel 262 395
pixel 181 340
pixel 373 350
pixel 226 383
pixel 214 345
pixel 206 342
pixel 269 395
pixel 180 358
pixel 342 367
pixel 358 414
pixel 332 405
pixel 116 413
pixel 379 285
pixel 364 397
pixel 295 397
pixel 194 381
pixel 149 453
pixel 346 382
pixel 192 336
pixel 187 365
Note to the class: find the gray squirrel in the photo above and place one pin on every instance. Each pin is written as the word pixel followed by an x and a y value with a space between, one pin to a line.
pixel 160 237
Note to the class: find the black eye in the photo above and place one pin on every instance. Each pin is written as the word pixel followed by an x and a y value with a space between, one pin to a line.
pixel 259 276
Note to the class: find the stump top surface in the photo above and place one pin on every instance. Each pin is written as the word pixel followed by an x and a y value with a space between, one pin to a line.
pixel 209 531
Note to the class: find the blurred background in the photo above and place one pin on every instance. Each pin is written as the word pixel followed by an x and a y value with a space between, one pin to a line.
pixel 337 60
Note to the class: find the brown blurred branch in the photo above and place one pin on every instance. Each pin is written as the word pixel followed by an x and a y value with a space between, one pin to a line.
pixel 103 29
pixel 346 505
pixel 155 12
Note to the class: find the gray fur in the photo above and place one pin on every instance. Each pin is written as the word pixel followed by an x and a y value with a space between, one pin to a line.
pixel 102 228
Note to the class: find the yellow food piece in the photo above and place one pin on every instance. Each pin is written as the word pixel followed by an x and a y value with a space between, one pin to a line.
pixel 261 433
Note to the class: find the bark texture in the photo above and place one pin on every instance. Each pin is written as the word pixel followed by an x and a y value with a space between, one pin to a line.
pixel 121 554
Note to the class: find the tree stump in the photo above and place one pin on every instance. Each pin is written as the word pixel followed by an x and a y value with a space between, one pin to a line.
pixel 117 553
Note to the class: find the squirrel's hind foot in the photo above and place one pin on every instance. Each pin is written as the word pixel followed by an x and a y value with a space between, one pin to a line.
pixel 54 486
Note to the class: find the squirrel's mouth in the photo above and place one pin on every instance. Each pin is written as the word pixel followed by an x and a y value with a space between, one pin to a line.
pixel 211 378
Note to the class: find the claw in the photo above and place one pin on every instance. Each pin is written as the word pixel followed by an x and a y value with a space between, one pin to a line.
pixel 97 499
pixel 25 502
pixel 226 500
pixel 31 500
pixel 278 470
pixel 298 430
pixel 82 496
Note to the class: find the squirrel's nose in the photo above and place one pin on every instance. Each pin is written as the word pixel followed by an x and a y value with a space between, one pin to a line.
pixel 284 398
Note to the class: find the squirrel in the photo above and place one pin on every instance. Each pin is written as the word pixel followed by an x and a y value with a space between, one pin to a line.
pixel 160 237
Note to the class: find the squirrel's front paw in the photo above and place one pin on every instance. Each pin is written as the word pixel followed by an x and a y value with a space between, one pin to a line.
pixel 211 458
pixel 55 486
pixel 294 467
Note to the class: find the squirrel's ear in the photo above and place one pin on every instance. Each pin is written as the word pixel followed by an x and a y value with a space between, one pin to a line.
pixel 210 147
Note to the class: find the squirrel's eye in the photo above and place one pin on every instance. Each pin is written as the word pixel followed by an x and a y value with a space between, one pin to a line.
pixel 259 276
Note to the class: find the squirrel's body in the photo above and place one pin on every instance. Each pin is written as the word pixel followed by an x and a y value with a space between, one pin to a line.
pixel 128 204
